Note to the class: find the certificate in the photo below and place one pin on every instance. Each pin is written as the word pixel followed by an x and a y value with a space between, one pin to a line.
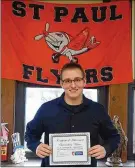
pixel 70 148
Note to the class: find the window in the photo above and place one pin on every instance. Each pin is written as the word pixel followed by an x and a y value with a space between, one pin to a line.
pixel 29 98
pixel 35 97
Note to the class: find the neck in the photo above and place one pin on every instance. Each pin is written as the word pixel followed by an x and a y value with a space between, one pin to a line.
pixel 76 101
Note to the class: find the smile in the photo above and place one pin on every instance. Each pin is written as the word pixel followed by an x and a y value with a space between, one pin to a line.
pixel 73 90
pixel 56 46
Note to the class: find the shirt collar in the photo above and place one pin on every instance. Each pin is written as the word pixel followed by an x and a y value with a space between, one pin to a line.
pixel 61 100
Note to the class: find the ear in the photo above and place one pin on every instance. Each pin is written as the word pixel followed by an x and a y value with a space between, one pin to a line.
pixel 84 82
pixel 38 37
pixel 61 83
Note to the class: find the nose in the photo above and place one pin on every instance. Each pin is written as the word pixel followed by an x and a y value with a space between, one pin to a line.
pixel 52 38
pixel 46 34
pixel 73 84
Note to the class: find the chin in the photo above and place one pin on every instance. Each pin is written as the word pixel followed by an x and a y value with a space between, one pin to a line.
pixel 74 95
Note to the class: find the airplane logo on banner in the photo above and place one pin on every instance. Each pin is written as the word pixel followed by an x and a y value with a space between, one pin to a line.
pixel 64 44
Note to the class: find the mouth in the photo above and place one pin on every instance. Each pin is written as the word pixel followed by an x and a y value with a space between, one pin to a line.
pixel 73 91
pixel 56 46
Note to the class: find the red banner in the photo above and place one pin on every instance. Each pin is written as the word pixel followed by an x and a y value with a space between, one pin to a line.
pixel 39 38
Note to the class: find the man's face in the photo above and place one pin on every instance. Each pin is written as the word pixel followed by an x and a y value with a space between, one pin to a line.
pixel 73 83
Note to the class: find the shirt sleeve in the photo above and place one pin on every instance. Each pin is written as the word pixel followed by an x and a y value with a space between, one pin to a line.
pixel 34 130
pixel 108 133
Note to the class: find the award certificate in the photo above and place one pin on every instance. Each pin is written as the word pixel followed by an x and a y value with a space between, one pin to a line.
pixel 70 148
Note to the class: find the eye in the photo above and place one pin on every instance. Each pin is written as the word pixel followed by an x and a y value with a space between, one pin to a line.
pixel 67 81
pixel 77 79
pixel 59 34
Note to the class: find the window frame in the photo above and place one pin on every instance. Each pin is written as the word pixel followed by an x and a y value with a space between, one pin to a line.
pixel 19 125
pixel 131 105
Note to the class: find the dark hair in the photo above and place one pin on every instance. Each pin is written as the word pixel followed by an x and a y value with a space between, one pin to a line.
pixel 72 65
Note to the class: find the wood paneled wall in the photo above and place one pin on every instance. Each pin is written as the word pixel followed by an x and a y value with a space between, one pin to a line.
pixel 118 105
pixel 7 107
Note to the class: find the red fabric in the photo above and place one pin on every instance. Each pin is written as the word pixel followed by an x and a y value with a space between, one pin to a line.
pixel 19 46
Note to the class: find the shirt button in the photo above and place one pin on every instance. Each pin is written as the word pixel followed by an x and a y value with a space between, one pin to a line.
pixel 73 126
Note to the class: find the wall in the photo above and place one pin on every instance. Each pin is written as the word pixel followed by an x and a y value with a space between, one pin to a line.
pixel 7 107
pixel 118 105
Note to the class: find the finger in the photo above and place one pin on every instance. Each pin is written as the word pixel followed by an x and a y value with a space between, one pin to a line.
pixel 100 157
pixel 94 151
pixel 39 155
pixel 94 147
pixel 96 154
pixel 45 150
pixel 100 151
pixel 46 146
pixel 43 153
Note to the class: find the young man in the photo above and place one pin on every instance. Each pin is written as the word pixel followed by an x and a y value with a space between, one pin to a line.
pixel 72 112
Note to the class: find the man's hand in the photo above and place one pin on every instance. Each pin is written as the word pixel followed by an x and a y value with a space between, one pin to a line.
pixel 43 150
pixel 97 151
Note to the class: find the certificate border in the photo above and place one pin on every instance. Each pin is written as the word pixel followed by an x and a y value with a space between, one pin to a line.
pixel 87 134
